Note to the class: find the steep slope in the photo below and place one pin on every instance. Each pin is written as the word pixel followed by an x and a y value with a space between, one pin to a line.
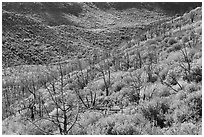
pixel 35 33
pixel 29 39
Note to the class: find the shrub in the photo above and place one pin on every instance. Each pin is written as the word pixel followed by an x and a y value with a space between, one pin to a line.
pixel 127 80
pixel 155 111
pixel 89 118
pixel 164 45
pixel 86 120
pixel 158 39
pixel 188 129
pixel 198 30
pixel 118 124
pixel 188 109
pixel 176 46
pixel 150 42
pixel 171 41
pixel 180 111
pixel 172 76
pixel 197 55
pixel 198 23
pixel 163 73
pixel 191 87
pixel 196 74
pixel 14 126
pixel 131 94
pixel 185 39
pixel 151 130
pixel 100 85
pixel 174 56
pixel 117 86
pixel 45 125
pixel 153 78
pixel 197 63
pixel 178 25
pixel 132 52
pixel 170 49
pixel 166 40
pixel 153 47
pixel 191 53
pixel 183 129
pixel 164 91
pixel 192 35
pixel 194 102
pixel 192 16
pixel 181 95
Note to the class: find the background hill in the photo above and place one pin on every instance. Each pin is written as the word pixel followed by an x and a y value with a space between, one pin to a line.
pixel 60 13
pixel 37 25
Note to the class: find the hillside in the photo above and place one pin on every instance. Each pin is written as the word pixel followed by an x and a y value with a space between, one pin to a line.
pixel 102 68
pixel 48 30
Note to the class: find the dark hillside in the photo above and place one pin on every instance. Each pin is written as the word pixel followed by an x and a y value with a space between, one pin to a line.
pixel 48 13
pixel 173 8
pixel 37 7
pixel 59 13
pixel 29 39
pixel 28 24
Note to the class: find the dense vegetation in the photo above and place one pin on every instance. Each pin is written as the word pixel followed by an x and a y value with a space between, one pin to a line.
pixel 148 81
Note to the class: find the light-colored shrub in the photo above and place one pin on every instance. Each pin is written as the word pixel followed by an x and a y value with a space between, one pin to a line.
pixel 14 126
pixel 181 95
pixel 174 56
pixel 158 39
pixel 163 91
pixel 117 86
pixel 118 124
pixel 198 30
pixel 156 110
pixel 184 129
pixel 176 46
pixel 166 39
pixel 171 41
pixel 150 42
pixel 185 39
pixel 198 55
pixel 194 102
pixel 192 87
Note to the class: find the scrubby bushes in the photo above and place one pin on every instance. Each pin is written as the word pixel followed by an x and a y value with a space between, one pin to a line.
pixel 183 129
pixel 158 39
pixel 172 41
pixel 198 55
pixel 118 124
pixel 156 111
pixel 192 16
pixel 195 75
pixel 150 42
pixel 198 30
pixel 14 126
pixel 191 87
pixel 194 102
pixel 176 46
pixel 117 86
pixel 174 56
pixel 163 91
pixel 185 39
pixel 189 108
pixel 166 39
